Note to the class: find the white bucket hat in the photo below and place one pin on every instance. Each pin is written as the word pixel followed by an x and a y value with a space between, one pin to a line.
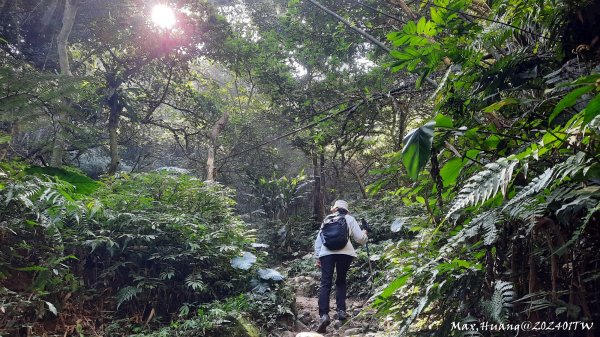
pixel 340 204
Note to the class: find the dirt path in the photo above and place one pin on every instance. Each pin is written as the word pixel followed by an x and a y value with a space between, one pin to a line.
pixel 307 310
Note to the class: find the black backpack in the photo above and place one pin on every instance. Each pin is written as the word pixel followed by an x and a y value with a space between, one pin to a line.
pixel 334 232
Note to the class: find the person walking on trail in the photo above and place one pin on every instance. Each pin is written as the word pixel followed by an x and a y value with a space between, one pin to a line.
pixel 334 251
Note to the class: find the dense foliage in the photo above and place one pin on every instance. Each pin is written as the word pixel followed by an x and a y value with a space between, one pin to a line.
pixel 150 173
pixel 147 245
pixel 512 191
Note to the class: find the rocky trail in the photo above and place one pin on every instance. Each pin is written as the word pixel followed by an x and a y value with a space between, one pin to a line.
pixel 358 324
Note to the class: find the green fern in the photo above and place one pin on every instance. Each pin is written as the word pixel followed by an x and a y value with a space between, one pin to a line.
pixel 484 185
pixel 127 294
pixel 484 223
pixel 497 308
pixel 577 234
pixel 195 282
pixel 553 175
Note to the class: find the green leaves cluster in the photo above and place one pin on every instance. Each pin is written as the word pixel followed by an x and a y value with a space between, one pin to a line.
pixel 131 239
pixel 507 167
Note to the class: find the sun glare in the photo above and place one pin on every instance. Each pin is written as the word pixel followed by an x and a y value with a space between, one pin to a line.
pixel 163 16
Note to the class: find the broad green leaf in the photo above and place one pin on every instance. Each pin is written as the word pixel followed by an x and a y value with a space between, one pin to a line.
pixel 436 16
pixel 443 121
pixel 243 262
pixel 417 149
pixel 498 105
pixel 270 274
pixel 421 25
pixel 592 110
pixel 397 225
pixel 461 263
pixel 5 139
pixel 548 138
pixel 392 36
pixel 591 79
pixel 413 64
pixel 83 184
pixel 395 285
pixel 472 154
pixel 472 133
pixel 569 100
pixel 491 142
pixel 410 28
pixel 451 171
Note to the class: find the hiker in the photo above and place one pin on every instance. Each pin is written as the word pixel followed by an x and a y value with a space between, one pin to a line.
pixel 334 250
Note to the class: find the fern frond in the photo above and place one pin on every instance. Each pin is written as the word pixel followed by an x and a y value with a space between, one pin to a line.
pixel 575 237
pixel 527 211
pixel 195 282
pixel 127 294
pixel 483 223
pixel 553 175
pixel 497 308
pixel 167 274
pixel 484 185
pixel 467 322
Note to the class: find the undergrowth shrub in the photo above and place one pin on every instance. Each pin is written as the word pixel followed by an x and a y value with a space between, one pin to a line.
pixel 135 247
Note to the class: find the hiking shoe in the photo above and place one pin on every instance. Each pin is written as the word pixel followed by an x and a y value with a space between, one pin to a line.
pixel 323 323
pixel 342 315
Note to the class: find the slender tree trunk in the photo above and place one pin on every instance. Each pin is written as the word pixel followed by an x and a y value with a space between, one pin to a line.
pixel 318 202
pixel 212 147
pixel 113 136
pixel 68 20
pixel 400 116
pixel 323 177
pixel 406 9
pixel 359 180
pixel 366 35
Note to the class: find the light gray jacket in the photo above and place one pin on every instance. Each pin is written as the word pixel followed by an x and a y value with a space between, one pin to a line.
pixel 355 232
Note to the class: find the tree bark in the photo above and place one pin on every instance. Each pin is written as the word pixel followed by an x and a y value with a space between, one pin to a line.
pixel 113 136
pixel 351 26
pixel 359 180
pixel 318 202
pixel 406 9
pixel 400 116
pixel 212 147
pixel 322 175
pixel 68 20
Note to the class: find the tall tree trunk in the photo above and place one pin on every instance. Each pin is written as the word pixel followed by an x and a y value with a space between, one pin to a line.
pixel 318 202
pixel 359 180
pixel 400 117
pixel 322 176
pixel 68 20
pixel 113 137
pixel 212 147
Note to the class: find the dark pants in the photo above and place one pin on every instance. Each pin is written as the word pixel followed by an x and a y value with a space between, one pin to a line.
pixel 340 263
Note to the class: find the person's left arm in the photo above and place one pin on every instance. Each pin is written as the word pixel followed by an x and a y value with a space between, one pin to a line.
pixel 359 235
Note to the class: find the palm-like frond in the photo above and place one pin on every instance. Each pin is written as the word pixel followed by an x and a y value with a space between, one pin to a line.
pixel 484 185
pixel 497 308
pixel 127 294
